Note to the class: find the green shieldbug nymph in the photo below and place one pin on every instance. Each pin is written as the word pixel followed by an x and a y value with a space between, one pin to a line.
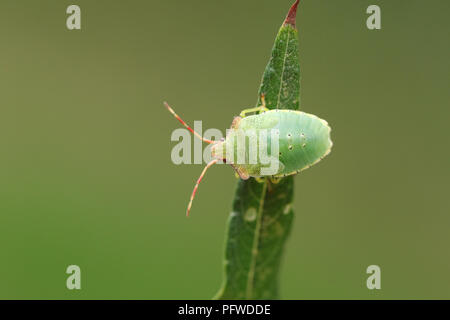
pixel 302 140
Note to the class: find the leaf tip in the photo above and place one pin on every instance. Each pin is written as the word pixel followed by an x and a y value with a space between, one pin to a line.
pixel 292 14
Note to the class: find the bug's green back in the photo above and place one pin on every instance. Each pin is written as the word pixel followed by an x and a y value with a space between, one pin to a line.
pixel 304 139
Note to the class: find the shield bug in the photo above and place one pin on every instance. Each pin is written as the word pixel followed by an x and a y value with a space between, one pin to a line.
pixel 302 140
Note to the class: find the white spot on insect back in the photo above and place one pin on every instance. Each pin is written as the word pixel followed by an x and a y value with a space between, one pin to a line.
pixel 287 208
pixel 250 214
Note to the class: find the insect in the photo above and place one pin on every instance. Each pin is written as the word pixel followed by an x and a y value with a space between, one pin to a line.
pixel 303 140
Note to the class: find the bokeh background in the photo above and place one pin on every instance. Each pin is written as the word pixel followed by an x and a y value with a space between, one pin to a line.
pixel 85 171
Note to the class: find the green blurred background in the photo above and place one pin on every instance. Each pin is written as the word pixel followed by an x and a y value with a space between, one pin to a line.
pixel 85 171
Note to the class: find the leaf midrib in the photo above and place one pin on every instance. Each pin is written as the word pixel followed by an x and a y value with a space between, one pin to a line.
pixel 251 272
pixel 256 237
pixel 282 71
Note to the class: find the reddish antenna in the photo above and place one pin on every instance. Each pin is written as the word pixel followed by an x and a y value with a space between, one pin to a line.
pixel 198 182
pixel 186 125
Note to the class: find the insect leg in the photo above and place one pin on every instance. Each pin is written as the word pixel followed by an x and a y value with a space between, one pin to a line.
pixel 250 110
pixel 275 180
pixel 263 101
pixel 186 125
pixel 261 108
pixel 243 174
pixel 198 182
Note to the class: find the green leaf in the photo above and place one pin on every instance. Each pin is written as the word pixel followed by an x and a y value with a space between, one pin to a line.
pixel 262 216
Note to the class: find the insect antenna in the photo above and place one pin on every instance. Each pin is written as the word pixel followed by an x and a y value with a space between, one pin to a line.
pixel 198 182
pixel 186 125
